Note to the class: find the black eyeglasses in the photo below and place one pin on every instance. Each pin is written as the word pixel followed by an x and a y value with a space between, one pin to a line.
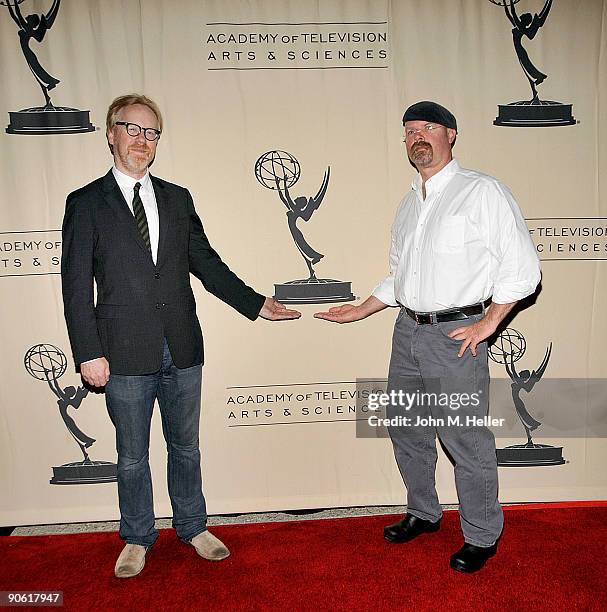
pixel 132 129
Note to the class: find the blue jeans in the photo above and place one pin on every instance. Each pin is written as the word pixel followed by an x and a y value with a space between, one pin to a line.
pixel 130 402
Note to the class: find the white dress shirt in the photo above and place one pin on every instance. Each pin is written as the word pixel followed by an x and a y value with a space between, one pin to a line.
pixel 148 198
pixel 465 242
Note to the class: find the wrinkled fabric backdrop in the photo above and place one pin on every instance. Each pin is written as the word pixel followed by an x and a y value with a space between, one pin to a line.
pixel 326 82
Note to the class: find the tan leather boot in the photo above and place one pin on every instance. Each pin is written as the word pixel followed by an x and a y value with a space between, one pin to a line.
pixel 209 547
pixel 131 561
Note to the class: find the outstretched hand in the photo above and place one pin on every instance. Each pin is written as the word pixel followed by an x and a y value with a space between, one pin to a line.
pixel 347 313
pixel 342 314
pixel 275 311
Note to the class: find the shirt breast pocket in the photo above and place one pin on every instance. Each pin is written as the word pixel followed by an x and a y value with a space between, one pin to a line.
pixel 450 235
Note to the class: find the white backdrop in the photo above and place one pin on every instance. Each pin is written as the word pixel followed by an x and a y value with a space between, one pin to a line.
pixel 326 82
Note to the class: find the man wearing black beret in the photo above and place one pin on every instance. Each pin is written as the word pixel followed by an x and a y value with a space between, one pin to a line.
pixel 460 259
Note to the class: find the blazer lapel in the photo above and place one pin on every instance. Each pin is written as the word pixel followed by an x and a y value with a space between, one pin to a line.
pixel 162 202
pixel 115 199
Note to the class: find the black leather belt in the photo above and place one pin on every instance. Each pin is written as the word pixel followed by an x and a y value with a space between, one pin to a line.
pixel 443 316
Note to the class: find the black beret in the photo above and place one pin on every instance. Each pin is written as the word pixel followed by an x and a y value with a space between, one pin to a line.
pixel 430 111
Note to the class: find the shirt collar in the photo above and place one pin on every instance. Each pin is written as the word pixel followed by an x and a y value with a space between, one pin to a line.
pixel 439 180
pixel 127 183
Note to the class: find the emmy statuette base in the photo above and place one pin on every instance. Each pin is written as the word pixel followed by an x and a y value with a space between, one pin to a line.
pixel 43 120
pixel 522 455
pixel 84 472
pixel 532 114
pixel 314 291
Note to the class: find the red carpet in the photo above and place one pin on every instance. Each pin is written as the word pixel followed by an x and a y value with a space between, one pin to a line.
pixel 549 558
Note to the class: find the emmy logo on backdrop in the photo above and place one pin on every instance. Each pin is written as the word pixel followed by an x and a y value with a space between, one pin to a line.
pixel 48 363
pixel 279 171
pixel 47 119
pixel 534 112
pixel 509 347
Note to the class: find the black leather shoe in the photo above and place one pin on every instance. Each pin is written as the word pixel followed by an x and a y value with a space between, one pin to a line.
pixel 470 558
pixel 408 528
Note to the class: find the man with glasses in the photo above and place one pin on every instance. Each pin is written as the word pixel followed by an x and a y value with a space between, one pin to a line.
pixel 139 238
pixel 461 257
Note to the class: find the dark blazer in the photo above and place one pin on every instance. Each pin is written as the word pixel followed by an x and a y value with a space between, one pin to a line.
pixel 139 303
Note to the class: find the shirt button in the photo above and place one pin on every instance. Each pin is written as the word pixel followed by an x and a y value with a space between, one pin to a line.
pixel 158 305
pixel 156 275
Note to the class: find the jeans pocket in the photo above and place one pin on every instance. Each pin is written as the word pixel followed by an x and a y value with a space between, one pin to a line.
pixel 446 328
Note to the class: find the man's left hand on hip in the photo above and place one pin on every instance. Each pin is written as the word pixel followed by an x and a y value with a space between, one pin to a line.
pixel 472 335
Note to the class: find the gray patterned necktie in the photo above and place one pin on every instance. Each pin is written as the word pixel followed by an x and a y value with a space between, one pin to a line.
pixel 140 218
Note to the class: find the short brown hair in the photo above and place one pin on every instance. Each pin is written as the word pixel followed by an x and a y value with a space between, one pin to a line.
pixel 129 99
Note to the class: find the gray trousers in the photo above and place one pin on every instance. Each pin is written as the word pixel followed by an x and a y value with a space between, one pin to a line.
pixel 425 365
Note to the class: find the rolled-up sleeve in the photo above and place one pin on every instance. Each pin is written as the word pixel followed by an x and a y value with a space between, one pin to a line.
pixel 516 269
pixel 385 292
